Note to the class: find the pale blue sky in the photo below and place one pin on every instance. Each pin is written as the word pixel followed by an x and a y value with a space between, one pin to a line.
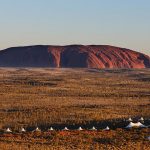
pixel 124 23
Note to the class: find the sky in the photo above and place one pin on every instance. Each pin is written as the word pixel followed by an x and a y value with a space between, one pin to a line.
pixel 123 23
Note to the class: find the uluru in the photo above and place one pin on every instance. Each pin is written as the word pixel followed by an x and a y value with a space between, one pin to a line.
pixel 73 56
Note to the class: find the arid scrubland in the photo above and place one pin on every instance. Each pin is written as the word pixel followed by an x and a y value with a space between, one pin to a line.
pixel 32 97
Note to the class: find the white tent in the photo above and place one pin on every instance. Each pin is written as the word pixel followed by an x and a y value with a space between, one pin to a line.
pixel 8 130
pixel 93 128
pixel 23 130
pixel 138 125
pixel 80 129
pixel 141 119
pixel 65 129
pixel 37 129
pixel 130 120
pixel 106 129
pixel 51 129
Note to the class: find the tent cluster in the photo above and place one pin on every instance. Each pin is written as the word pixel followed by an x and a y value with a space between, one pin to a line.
pixel 137 124
pixel 130 125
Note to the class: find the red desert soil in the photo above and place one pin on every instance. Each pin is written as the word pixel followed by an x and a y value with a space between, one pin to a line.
pixel 72 140
pixel 73 56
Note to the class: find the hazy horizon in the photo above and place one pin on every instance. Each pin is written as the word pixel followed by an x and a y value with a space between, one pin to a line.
pixel 98 22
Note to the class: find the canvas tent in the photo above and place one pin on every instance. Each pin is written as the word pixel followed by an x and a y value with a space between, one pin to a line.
pixel 51 129
pixel 130 120
pixel 106 129
pixel 8 130
pixel 65 129
pixel 138 125
pixel 93 128
pixel 37 129
pixel 23 130
pixel 80 129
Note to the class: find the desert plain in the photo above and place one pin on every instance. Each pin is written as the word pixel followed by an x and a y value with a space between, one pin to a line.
pixel 73 98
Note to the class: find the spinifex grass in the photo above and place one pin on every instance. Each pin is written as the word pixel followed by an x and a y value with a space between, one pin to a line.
pixel 48 97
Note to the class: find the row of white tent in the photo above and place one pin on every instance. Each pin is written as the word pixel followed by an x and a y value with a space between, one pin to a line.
pixel 8 130
pixel 130 125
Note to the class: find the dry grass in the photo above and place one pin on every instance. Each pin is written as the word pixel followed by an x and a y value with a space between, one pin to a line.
pixel 60 97
pixel 75 140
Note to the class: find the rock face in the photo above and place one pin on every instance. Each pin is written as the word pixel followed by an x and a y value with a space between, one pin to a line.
pixel 73 56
